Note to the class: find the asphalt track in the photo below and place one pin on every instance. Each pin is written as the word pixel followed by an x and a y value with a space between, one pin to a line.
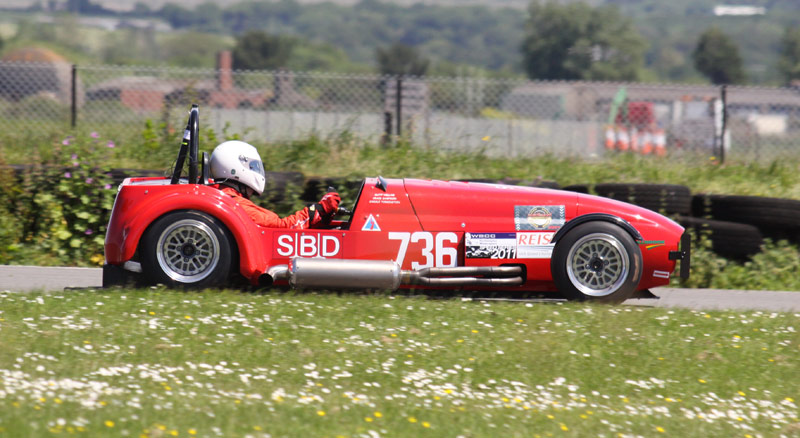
pixel 35 278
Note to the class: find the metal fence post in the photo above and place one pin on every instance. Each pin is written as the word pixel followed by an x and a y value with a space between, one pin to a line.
pixel 74 97
pixel 387 129
pixel 724 124
pixel 398 105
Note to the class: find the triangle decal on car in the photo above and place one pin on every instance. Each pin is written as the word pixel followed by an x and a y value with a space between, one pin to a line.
pixel 371 224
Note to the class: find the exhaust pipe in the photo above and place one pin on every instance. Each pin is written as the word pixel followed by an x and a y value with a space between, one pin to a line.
pixel 343 273
pixel 465 276
pixel 387 275
pixel 273 274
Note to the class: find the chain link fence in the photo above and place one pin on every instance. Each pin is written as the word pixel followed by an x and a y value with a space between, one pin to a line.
pixel 497 117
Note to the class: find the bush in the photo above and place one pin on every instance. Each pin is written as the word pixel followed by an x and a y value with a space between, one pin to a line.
pixel 59 206
pixel 39 107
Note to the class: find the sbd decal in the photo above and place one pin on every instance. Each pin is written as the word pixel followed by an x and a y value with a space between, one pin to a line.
pixel 307 245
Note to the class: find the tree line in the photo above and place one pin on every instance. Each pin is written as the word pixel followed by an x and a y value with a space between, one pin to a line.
pixel 550 40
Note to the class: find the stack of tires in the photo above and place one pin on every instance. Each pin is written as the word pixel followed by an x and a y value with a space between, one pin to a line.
pixel 755 216
pixel 735 225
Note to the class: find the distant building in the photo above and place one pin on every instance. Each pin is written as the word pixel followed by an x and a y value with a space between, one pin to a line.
pixel 286 95
pixel 34 71
pixel 139 93
pixel 739 10
pixel 671 105
pixel 149 93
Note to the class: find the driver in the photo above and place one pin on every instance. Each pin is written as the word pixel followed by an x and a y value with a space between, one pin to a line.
pixel 237 169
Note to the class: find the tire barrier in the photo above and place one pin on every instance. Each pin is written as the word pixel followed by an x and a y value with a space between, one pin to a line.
pixel 315 188
pixel 544 184
pixel 729 239
pixel 776 218
pixel 736 225
pixel 279 183
pixel 578 188
pixel 669 199
pixel 516 182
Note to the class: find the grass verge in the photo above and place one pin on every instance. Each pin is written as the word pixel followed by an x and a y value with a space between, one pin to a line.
pixel 158 363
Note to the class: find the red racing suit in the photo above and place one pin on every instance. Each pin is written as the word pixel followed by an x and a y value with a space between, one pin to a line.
pixel 266 218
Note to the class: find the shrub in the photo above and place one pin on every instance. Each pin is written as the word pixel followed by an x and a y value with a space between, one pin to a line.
pixel 60 205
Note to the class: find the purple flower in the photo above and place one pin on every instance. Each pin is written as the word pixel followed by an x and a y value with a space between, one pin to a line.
pixel 107 186
pixel 89 180
pixel 94 135
pixel 110 144
pixel 75 164
pixel 65 142
pixel 67 175
pixel 74 157
pixel 88 232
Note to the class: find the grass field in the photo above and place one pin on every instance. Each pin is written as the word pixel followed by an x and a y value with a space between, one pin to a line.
pixel 158 363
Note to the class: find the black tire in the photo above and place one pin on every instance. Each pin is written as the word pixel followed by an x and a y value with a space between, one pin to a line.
pixel 279 182
pixel 517 182
pixel 596 261
pixel 315 188
pixel 545 184
pixel 187 248
pixel 768 214
pixel 481 180
pixel 662 198
pixel 578 188
pixel 728 239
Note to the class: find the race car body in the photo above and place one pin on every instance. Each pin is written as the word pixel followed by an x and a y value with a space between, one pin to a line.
pixel 401 233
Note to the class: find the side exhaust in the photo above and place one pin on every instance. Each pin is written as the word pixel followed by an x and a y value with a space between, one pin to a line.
pixel 387 275
pixel 343 274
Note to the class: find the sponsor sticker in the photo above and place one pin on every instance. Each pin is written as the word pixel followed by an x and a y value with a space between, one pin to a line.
pixel 528 245
pixel 371 224
pixel 307 245
pixel 384 198
pixel 535 245
pixel 490 245
pixel 538 217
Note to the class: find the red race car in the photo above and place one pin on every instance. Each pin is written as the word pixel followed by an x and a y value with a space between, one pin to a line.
pixel 401 234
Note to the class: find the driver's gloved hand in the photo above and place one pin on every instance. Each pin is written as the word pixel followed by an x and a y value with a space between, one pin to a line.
pixel 329 204
pixel 323 211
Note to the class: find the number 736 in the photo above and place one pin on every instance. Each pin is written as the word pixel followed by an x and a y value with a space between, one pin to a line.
pixel 435 248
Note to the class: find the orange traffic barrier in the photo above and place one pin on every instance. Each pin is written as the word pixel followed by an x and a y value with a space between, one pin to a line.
pixel 623 140
pixel 611 137
pixel 634 140
pixel 660 142
pixel 647 143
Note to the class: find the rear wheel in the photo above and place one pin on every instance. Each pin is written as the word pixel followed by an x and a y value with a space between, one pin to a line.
pixel 187 248
pixel 596 261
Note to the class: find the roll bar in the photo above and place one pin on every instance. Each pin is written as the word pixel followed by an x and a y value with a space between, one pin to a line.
pixel 189 146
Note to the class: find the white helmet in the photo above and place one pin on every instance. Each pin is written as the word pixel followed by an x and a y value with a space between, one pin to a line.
pixel 238 161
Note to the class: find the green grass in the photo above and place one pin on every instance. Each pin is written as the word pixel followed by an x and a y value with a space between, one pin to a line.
pixel 776 267
pixel 163 363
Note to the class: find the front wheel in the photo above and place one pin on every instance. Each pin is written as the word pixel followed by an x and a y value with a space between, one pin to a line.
pixel 187 248
pixel 597 261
